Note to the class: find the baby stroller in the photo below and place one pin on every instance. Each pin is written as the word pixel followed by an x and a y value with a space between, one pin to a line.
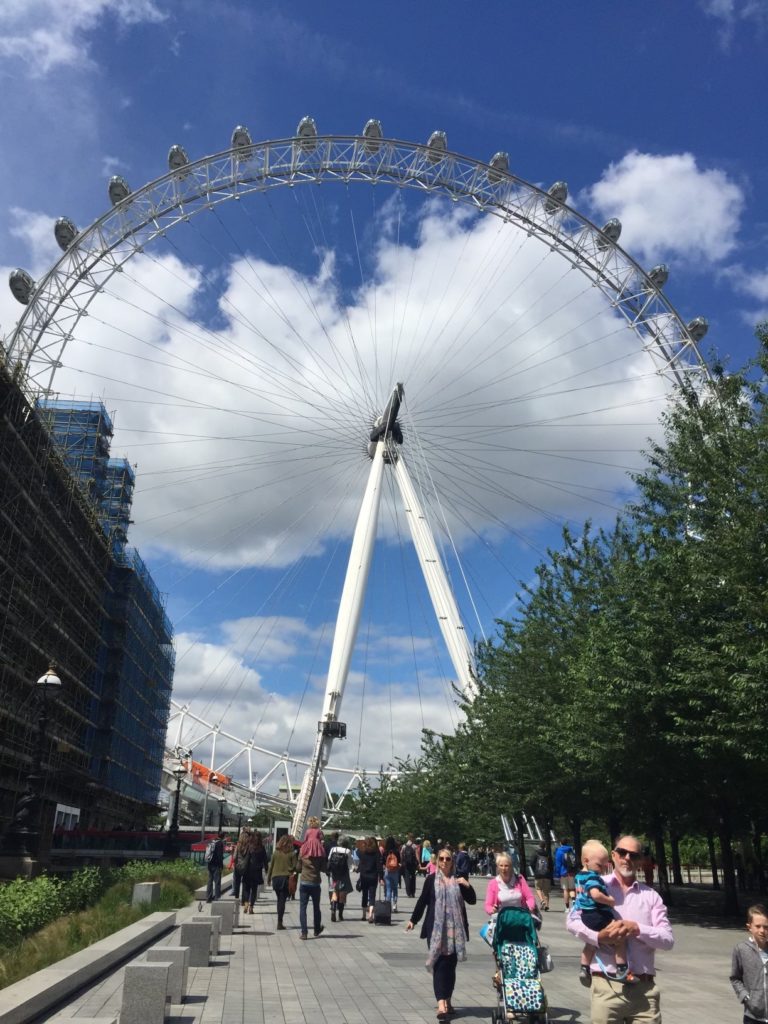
pixel 516 948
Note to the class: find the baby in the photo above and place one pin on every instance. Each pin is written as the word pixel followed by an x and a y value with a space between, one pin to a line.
pixel 595 904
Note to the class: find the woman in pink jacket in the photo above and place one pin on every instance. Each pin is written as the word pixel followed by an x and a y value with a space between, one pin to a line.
pixel 508 889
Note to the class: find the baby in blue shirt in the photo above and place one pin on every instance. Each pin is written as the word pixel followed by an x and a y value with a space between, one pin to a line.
pixel 595 904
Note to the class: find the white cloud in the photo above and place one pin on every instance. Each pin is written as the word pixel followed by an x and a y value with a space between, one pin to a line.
pixel 35 230
pixel 754 284
pixel 670 207
pixel 45 34
pixel 730 13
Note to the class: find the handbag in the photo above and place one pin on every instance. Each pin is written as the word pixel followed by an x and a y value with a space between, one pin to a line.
pixel 292 883
pixel 359 885
pixel 546 964
pixel 487 930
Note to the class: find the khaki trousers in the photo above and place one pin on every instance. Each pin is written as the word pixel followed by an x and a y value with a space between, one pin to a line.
pixel 543 886
pixel 614 1003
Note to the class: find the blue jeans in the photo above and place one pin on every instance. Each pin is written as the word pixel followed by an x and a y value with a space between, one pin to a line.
pixel 307 892
pixel 391 882
pixel 213 889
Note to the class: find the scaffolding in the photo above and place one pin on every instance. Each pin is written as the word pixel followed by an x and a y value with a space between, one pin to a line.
pixel 72 591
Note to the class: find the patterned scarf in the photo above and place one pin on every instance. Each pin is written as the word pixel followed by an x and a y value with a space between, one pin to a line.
pixel 448 928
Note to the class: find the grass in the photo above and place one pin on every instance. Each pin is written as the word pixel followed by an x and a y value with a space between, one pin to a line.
pixel 74 932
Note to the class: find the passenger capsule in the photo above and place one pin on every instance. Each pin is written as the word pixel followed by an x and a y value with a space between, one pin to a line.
pixel 241 138
pixel 22 285
pixel 177 158
pixel 556 196
pixel 118 189
pixel 373 134
pixel 307 133
pixel 499 166
pixel 611 233
pixel 698 328
pixel 437 146
pixel 65 232
pixel 659 275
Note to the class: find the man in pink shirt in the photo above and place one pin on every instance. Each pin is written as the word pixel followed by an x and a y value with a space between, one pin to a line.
pixel 641 920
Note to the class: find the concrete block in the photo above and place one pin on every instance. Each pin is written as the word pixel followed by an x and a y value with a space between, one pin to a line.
pixel 178 958
pixel 197 935
pixel 215 923
pixel 225 909
pixel 145 993
pixel 145 892
pixel 83 1020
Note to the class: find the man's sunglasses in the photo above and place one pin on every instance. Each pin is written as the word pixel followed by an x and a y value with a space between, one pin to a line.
pixel 632 854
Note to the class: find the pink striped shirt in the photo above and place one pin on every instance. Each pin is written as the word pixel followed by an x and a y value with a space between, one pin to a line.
pixel 639 903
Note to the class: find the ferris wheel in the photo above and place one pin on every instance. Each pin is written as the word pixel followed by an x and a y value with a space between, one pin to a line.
pixel 426 348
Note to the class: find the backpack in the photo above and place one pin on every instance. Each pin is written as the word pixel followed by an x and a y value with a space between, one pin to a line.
pixel 408 854
pixel 541 865
pixel 337 865
pixel 210 851
pixel 391 863
pixel 569 861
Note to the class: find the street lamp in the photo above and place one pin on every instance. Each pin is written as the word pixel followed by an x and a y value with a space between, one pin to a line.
pixel 22 837
pixel 172 840
pixel 212 778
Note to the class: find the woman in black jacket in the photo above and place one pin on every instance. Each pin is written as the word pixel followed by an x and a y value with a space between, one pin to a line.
pixel 369 866
pixel 445 927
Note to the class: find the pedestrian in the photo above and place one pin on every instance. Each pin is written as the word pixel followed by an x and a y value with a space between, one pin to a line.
pixel 370 868
pixel 445 927
pixel 409 865
pixel 749 966
pixel 596 906
pixel 239 861
pixel 649 865
pixel 426 855
pixel 254 866
pixel 282 865
pixel 643 924
pixel 542 875
pixel 214 860
pixel 508 888
pixel 391 870
pixel 339 866
pixel 565 871
pixel 312 861
pixel 462 862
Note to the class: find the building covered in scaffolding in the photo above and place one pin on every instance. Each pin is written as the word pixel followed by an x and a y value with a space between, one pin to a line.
pixel 73 592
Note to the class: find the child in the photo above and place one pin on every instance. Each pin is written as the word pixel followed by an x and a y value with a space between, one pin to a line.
pixel 595 904
pixel 432 866
pixel 749 965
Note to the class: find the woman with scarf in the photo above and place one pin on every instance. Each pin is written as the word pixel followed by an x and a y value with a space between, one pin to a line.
pixel 312 863
pixel 445 927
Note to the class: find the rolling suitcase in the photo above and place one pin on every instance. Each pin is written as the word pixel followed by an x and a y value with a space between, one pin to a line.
pixel 382 912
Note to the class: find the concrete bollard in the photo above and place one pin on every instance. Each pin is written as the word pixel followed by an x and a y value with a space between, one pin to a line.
pixel 197 936
pixel 178 958
pixel 225 909
pixel 215 923
pixel 145 993
pixel 145 892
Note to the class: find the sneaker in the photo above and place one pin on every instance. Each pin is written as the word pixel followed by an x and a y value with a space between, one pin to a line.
pixel 585 975
pixel 320 930
pixel 303 935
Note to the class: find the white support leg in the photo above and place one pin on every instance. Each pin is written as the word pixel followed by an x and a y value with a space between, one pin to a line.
pixel 347 621
pixel 443 601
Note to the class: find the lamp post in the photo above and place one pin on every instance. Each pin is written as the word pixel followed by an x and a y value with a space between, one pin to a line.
pixel 172 840
pixel 22 837
pixel 212 778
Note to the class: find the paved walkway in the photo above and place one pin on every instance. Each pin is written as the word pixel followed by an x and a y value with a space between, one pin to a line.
pixel 357 973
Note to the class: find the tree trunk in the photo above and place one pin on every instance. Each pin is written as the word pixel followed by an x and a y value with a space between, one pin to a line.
pixel 757 847
pixel 731 901
pixel 713 860
pixel 677 871
pixel 614 827
pixel 661 863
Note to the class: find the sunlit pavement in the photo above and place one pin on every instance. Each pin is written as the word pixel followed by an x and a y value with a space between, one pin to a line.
pixel 356 973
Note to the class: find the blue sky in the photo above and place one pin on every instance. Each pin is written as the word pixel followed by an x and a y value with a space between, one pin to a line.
pixel 651 116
